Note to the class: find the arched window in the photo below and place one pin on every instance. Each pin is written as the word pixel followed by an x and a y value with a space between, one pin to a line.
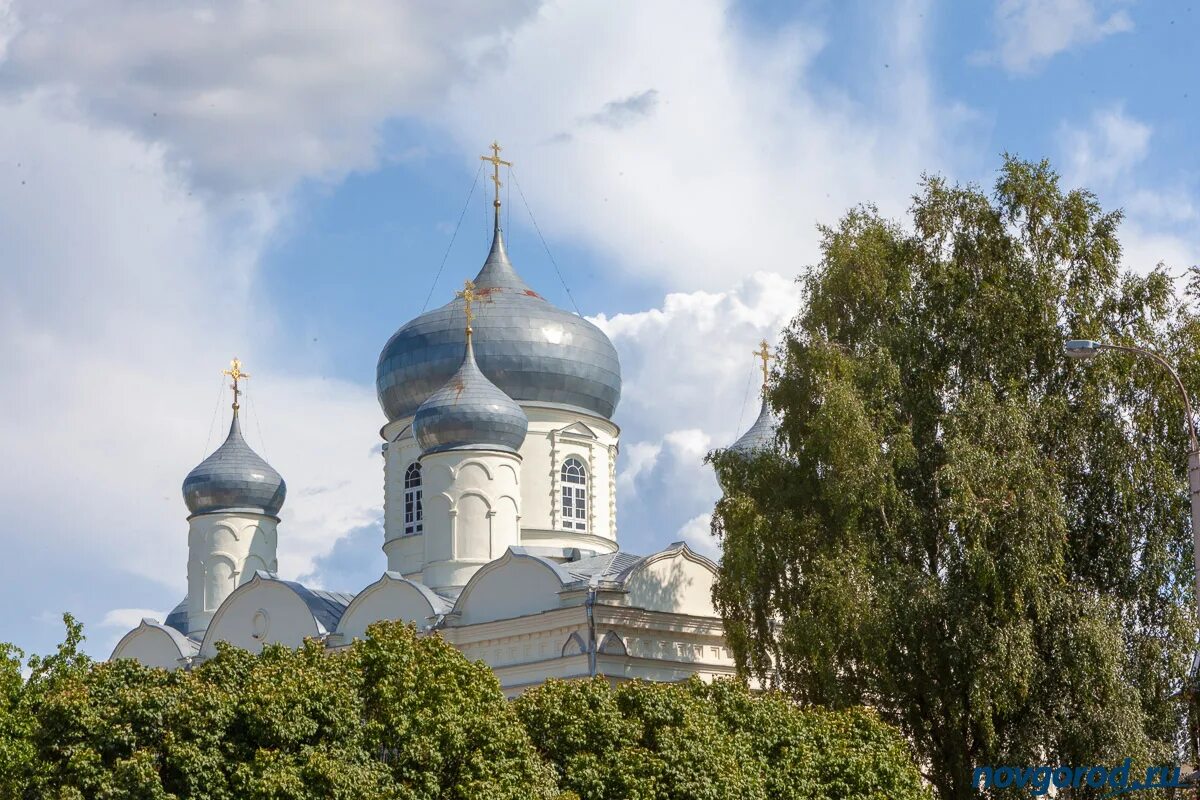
pixel 574 495
pixel 412 499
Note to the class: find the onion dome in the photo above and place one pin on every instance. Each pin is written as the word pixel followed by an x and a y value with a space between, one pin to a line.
pixel 234 478
pixel 531 351
pixel 762 434
pixel 469 413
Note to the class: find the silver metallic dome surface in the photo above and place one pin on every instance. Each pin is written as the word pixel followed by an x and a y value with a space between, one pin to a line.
pixel 762 433
pixel 234 478
pixel 531 350
pixel 469 413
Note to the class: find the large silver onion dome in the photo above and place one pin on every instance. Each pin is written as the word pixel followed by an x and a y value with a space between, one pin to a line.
pixel 762 434
pixel 469 413
pixel 234 478
pixel 531 350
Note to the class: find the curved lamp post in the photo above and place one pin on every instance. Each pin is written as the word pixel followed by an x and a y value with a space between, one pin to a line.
pixel 1085 349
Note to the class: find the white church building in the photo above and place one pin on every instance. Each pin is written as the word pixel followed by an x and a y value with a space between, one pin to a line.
pixel 500 512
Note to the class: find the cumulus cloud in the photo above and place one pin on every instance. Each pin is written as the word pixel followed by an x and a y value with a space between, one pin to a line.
pixel 116 623
pixel 744 153
pixel 1031 32
pixel 1105 154
pixel 251 95
pixel 691 385
pixel 697 532
pixel 1145 247
pixel 126 618
pixel 125 297
pixel 1106 149
pixel 355 561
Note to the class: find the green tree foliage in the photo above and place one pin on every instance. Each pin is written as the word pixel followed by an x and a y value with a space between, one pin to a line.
pixel 441 722
pixel 403 717
pixel 393 716
pixel 655 741
pixel 985 541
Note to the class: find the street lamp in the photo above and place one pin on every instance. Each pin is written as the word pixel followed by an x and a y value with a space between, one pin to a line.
pixel 1084 349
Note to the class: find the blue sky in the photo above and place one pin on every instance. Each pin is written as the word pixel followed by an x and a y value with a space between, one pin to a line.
pixel 180 183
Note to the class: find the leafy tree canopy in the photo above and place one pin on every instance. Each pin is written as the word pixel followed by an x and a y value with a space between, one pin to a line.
pixel 644 741
pixel 404 717
pixel 393 716
pixel 985 541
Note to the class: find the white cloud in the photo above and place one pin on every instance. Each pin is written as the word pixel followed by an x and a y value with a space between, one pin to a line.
pixel 691 385
pixel 689 363
pixel 124 297
pixel 1031 32
pixel 147 153
pixel 1143 249
pixel 127 618
pixel 1107 154
pixel 8 25
pixel 247 95
pixel 1106 149
pixel 1172 205
pixel 697 532
pixel 741 153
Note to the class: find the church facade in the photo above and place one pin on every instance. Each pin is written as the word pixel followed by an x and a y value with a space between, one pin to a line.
pixel 500 512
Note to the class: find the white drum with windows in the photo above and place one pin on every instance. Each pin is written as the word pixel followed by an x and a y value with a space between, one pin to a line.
pixel 574 495
pixel 413 513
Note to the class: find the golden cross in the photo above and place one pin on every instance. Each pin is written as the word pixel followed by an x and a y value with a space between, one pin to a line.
pixel 468 296
pixel 764 353
pixel 495 160
pixel 235 372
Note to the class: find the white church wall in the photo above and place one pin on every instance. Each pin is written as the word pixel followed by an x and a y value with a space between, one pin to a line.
pixel 554 435
pixel 631 643
pixel 261 611
pixel 400 449
pixel 620 669
pixel 515 585
pixel 153 645
pixel 224 550
pixel 676 581
pixel 406 555
pixel 472 514
pixel 593 443
pixel 513 616
pixel 391 597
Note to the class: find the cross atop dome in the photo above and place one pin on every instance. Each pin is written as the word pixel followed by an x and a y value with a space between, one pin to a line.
pixel 469 296
pixel 234 478
pixel 235 372
pixel 531 351
pixel 764 353
pixel 496 161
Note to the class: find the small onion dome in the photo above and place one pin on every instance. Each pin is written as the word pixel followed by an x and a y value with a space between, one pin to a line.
pixel 469 413
pixel 534 352
pixel 234 478
pixel 761 435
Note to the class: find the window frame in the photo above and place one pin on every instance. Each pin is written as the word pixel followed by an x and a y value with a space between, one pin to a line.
pixel 414 510
pixel 573 496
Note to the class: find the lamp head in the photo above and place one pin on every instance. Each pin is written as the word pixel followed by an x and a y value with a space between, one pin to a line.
pixel 1082 348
